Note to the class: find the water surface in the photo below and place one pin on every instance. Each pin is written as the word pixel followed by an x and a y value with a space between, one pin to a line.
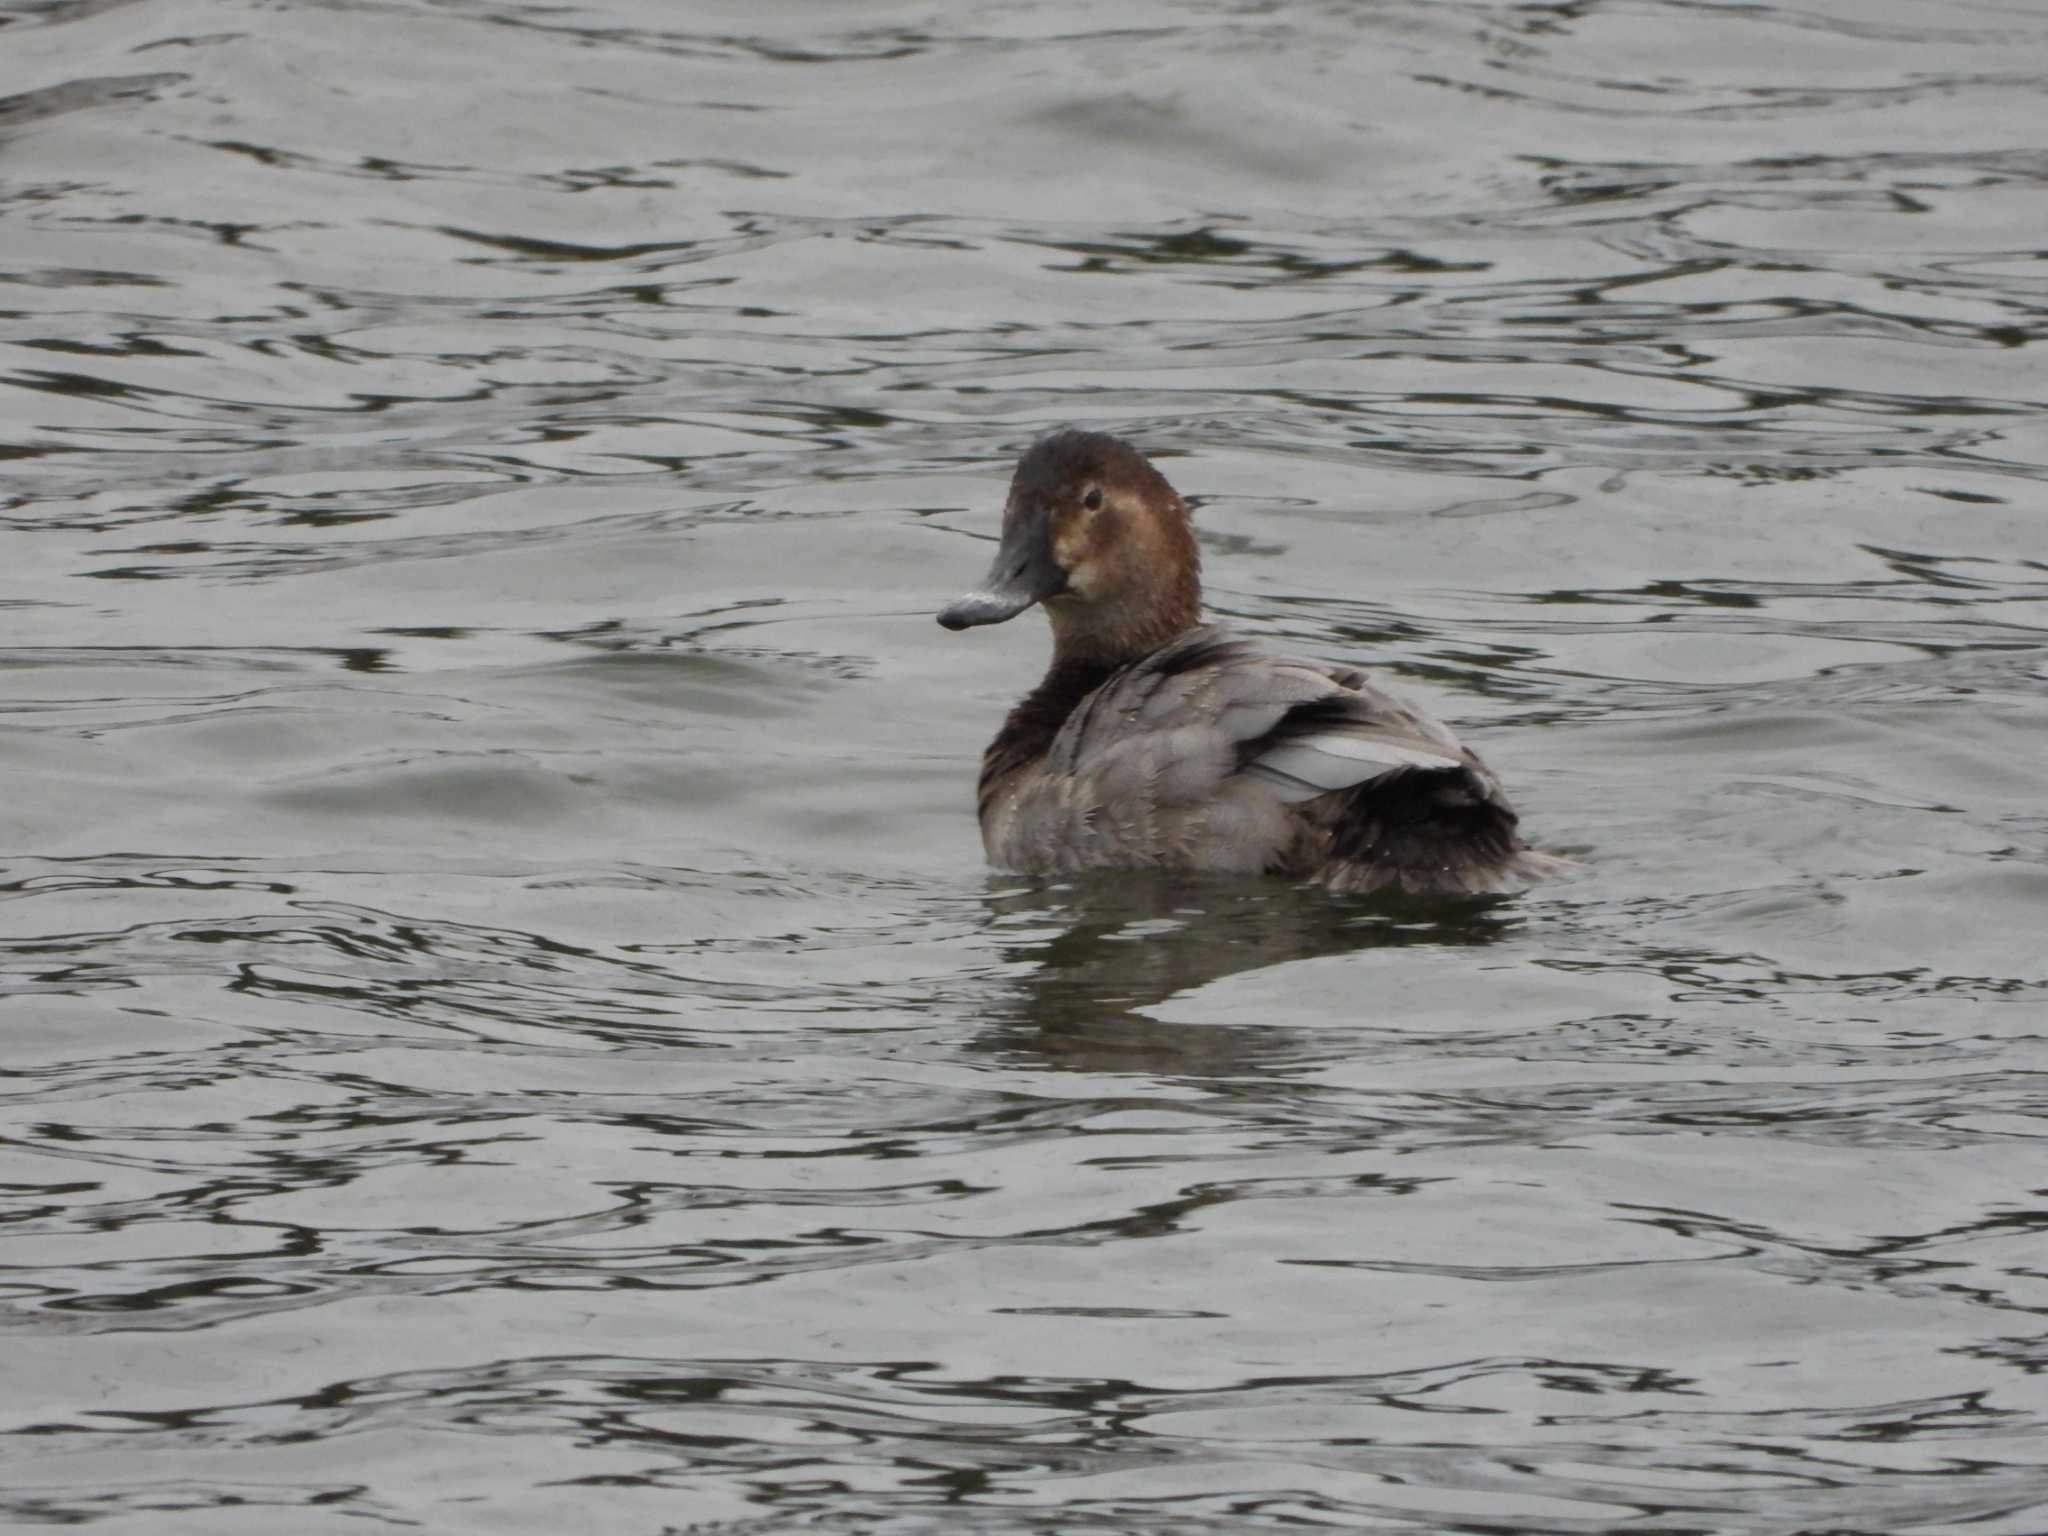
pixel 506 1025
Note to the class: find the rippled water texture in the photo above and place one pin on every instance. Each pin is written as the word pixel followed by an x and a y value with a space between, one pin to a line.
pixel 506 1027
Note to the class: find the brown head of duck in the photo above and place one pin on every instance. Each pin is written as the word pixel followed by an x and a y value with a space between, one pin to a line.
pixel 1094 533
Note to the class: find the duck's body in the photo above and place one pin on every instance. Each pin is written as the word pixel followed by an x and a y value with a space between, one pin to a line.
pixel 1156 742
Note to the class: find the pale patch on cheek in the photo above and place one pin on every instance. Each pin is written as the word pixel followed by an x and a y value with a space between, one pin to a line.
pixel 1070 549
pixel 1070 553
pixel 1084 578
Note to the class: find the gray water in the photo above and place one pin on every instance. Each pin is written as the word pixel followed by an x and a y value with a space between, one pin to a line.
pixel 506 1025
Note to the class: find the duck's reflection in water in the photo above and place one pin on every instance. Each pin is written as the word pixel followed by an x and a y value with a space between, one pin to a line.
pixel 1092 955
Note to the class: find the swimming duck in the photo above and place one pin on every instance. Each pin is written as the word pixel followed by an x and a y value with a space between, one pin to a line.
pixel 1156 741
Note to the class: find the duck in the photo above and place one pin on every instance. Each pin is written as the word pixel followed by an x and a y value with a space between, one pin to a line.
pixel 1156 741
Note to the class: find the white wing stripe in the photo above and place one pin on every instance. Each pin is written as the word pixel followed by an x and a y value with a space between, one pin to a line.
pixel 1369 749
pixel 1290 789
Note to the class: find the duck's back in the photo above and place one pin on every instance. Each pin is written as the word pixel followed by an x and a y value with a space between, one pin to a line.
pixel 1208 754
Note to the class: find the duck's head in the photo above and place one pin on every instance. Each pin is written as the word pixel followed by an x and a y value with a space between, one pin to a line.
pixel 1094 532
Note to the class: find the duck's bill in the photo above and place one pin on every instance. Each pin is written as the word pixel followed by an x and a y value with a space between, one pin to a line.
pixel 985 606
pixel 1019 577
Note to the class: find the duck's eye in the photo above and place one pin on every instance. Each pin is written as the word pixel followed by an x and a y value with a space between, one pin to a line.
pixel 1093 500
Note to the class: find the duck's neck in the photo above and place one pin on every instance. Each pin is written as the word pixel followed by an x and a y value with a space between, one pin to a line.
pixel 1166 566
pixel 1084 639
